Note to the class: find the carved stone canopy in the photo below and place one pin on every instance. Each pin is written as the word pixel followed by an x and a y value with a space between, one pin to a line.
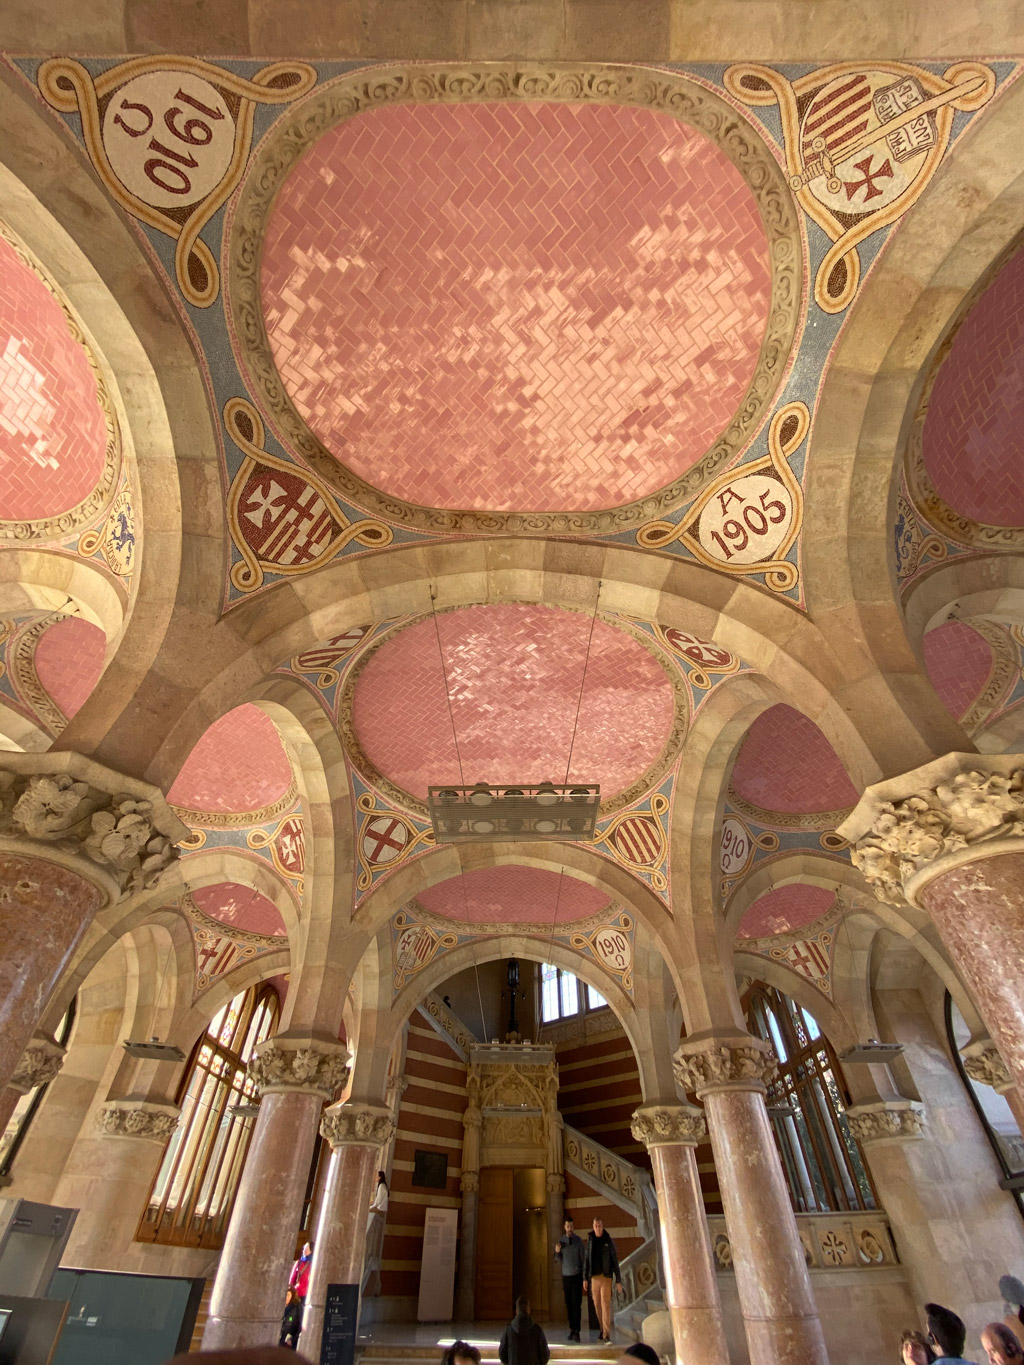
pixel 137 1119
pixel 741 1063
pixel 886 1119
pixel 284 1063
pixel 40 1063
pixel 983 1064
pixel 357 1125
pixel 902 828
pixel 79 807
pixel 663 1125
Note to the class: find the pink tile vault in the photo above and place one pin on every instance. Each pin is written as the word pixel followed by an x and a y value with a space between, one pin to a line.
pixel 68 661
pixel 974 431
pixel 516 306
pixel 958 661
pixel 784 909
pixel 514 676
pixel 514 895
pixel 241 907
pixel 238 765
pixel 52 433
pixel 786 764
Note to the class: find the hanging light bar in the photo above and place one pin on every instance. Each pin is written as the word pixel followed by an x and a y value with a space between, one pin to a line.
pixel 154 1051
pixel 541 810
pixel 870 1052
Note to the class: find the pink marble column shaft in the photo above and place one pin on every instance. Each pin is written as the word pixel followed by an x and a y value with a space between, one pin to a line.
pixel 691 1290
pixel 44 911
pixel 778 1306
pixel 341 1233
pixel 252 1275
pixel 978 908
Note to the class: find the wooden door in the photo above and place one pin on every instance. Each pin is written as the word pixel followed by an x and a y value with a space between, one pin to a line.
pixel 494 1246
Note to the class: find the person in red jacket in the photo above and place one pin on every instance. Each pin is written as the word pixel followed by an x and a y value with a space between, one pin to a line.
pixel 298 1280
pixel 295 1300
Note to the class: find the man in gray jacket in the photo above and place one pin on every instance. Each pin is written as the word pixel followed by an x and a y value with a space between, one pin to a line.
pixel 523 1341
pixel 570 1251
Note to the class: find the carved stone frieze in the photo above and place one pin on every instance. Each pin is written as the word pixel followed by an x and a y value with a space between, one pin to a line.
pixel 959 810
pixel 76 806
pixel 508 1130
pixel 137 1119
pixel 357 1125
pixel 662 1125
pixel 744 1064
pixel 886 1119
pixel 300 1064
pixel 983 1064
pixel 39 1064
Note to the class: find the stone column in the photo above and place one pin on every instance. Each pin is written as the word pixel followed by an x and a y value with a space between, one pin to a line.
pixel 465 1284
pixel 355 1132
pixel 74 838
pixel 949 838
pixel 670 1132
pixel 295 1076
pixel 555 1219
pixel 779 1313
pixel 110 1175
pixel 39 1064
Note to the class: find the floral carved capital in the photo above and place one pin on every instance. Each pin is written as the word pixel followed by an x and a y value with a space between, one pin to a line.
pixel 470 1182
pixel 749 1064
pixel 983 1064
pixel 906 835
pixel 357 1125
pixel 294 1064
pixel 137 1119
pixel 665 1125
pixel 39 1064
pixel 887 1119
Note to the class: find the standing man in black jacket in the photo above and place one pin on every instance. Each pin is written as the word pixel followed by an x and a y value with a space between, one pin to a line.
pixel 570 1251
pixel 600 1267
pixel 523 1341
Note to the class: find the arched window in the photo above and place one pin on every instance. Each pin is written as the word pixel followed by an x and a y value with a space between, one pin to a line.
pixel 823 1164
pixel 561 994
pixel 13 1136
pixel 194 1190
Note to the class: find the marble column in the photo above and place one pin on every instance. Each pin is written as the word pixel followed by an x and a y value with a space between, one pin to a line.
pixel 670 1132
pixel 779 1314
pixel 949 838
pixel 356 1132
pixel 39 1064
pixel 295 1076
pixel 74 838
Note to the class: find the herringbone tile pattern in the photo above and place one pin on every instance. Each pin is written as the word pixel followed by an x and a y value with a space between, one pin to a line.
pixel 513 895
pixel 784 909
pixel 516 306
pixel 974 431
pixel 241 907
pixel 52 434
pixel 238 765
pixel 958 661
pixel 786 764
pixel 514 676
pixel 68 661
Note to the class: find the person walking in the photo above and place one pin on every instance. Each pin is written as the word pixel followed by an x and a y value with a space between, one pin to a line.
pixel 570 1251
pixel 600 1268
pixel 523 1341
pixel 295 1299
pixel 947 1334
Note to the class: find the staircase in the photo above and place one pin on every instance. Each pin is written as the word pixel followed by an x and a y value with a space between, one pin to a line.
pixel 632 1190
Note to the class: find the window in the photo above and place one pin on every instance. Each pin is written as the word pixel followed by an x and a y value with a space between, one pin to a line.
pixel 561 995
pixel 823 1164
pixel 195 1187
pixel 28 1105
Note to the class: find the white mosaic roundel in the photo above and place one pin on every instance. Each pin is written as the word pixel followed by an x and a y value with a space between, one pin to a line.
pixel 613 949
pixel 169 138
pixel 748 521
pixel 735 848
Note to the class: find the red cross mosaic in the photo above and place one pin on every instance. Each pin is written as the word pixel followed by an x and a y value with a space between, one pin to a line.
pixel 786 764
pixel 238 765
pixel 513 674
pixel 516 306
pixel 52 432
pixel 514 895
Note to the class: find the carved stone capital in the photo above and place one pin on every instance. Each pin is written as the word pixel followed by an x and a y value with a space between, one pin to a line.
pixel 907 830
pixel 470 1182
pixel 743 1063
pixel 137 1119
pixel 886 1119
pixel 556 1184
pixel 39 1064
pixel 285 1063
pixel 664 1125
pixel 357 1125
pixel 983 1064
pixel 78 807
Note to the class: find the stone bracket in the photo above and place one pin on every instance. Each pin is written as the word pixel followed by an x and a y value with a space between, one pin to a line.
pixel 40 1063
pixel 138 1119
pixel 665 1125
pixel 900 1119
